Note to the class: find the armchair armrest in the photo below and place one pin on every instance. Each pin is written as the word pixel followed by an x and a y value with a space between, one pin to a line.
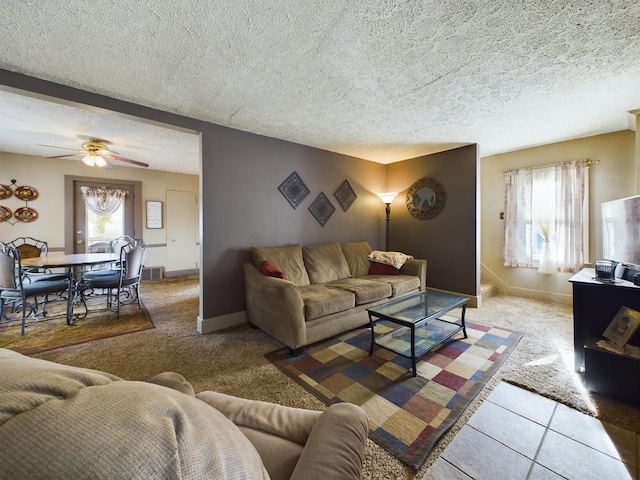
pixel 336 445
pixel 334 440
pixel 418 268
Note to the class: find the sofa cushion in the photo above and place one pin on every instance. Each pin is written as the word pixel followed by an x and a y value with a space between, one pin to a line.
pixel 58 421
pixel 400 284
pixel 287 257
pixel 366 291
pixel 377 268
pixel 356 254
pixel 325 263
pixel 320 300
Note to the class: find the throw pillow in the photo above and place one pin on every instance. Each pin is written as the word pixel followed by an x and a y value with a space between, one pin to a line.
pixel 377 268
pixel 271 270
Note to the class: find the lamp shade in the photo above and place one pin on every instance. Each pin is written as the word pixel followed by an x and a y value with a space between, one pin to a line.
pixel 100 162
pixel 388 197
pixel 89 160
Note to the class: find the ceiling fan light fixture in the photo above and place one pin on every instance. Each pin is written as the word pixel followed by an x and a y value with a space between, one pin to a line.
pixel 90 160
pixel 100 162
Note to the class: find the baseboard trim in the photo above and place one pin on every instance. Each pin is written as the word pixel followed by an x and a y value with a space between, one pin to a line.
pixel 181 273
pixel 475 301
pixel 208 325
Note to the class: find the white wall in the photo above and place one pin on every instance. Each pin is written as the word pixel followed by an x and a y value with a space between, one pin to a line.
pixel 614 177
pixel 47 176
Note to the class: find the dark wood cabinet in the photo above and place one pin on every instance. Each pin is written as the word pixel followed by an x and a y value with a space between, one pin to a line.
pixel 611 374
pixel 595 304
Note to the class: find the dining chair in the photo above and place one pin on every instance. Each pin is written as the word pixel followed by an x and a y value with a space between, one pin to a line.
pixel 117 243
pixel 112 246
pixel 30 247
pixel 121 285
pixel 16 287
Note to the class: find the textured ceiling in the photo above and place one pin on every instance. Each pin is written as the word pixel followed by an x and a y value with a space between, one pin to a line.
pixel 380 80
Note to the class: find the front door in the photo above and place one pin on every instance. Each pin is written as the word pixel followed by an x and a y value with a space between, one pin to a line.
pixel 93 232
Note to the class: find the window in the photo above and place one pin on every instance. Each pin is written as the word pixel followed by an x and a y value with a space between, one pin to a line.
pixel 103 228
pixel 547 217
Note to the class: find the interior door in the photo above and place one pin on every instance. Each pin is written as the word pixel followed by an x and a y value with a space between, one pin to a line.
pixel 181 232
pixel 80 243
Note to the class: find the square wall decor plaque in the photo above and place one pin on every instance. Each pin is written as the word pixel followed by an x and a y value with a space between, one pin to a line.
pixel 322 209
pixel 345 195
pixel 294 189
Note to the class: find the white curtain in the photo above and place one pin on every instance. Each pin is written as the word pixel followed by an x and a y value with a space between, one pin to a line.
pixel 517 225
pixel 550 202
pixel 103 201
pixel 571 206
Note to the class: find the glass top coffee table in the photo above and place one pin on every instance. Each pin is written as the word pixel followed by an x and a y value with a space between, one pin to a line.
pixel 417 324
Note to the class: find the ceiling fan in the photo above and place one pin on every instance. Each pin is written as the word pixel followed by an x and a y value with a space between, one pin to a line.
pixel 95 152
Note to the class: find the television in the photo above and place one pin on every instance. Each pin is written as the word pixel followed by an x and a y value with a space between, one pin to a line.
pixel 621 231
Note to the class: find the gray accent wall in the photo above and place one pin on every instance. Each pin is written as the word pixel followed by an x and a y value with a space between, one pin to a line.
pixel 450 241
pixel 242 205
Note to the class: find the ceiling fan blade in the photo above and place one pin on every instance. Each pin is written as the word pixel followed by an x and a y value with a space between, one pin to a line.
pixel 53 146
pixel 128 160
pixel 67 155
pixel 108 165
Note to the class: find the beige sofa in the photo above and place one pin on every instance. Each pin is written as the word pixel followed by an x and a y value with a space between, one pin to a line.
pixel 58 421
pixel 327 289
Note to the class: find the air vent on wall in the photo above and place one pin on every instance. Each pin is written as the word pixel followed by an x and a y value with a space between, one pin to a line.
pixel 152 273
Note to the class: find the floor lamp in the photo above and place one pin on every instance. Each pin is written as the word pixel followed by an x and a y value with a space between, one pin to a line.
pixel 387 198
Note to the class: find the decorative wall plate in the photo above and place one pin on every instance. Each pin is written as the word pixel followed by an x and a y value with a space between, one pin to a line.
pixel 345 195
pixel 294 189
pixel 5 214
pixel 5 191
pixel 426 198
pixel 25 214
pixel 322 209
pixel 26 193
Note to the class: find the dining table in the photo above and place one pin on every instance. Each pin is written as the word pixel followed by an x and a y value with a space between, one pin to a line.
pixel 75 264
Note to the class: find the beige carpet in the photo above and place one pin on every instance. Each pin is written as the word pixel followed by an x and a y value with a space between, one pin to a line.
pixel 233 362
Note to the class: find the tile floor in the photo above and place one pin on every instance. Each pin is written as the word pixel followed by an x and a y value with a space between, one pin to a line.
pixel 517 434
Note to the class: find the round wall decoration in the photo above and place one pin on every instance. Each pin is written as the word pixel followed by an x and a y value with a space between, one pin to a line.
pixel 5 213
pixel 26 193
pixel 5 191
pixel 426 198
pixel 25 214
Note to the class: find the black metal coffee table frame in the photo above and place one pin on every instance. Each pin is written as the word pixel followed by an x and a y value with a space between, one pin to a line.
pixel 419 311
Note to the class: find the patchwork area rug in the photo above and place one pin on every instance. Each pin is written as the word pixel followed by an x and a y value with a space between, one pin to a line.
pixel 407 415
pixel 52 331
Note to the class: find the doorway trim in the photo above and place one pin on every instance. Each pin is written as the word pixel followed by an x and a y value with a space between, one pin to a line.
pixel 69 206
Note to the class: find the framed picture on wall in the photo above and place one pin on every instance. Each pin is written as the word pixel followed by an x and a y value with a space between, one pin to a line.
pixel 154 214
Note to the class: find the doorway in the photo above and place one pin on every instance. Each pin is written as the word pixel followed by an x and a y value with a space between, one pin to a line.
pixel 182 208
pixel 84 233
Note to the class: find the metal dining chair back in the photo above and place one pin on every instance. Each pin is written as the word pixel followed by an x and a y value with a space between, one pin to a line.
pixel 121 284
pixel 30 247
pixel 132 257
pixel 117 243
pixel 16 287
